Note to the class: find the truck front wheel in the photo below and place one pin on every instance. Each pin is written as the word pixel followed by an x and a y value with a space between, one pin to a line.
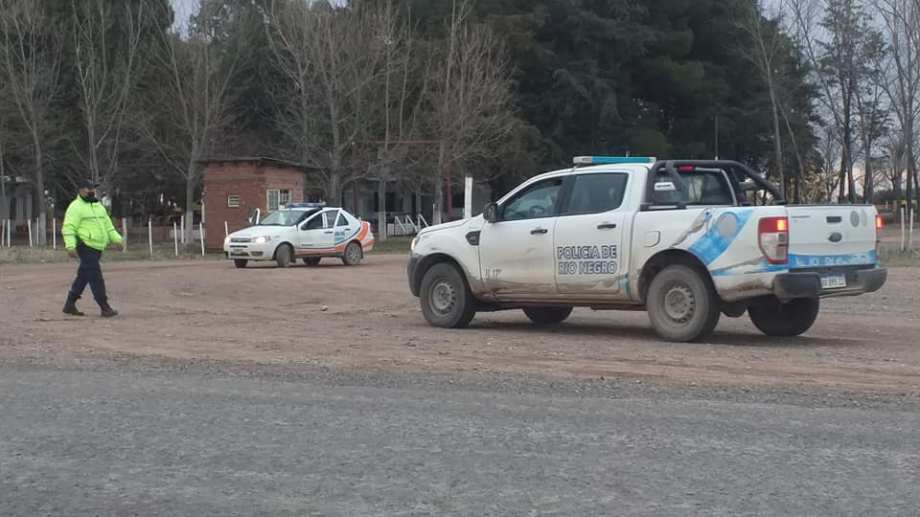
pixel 446 301
pixel 682 304
pixel 793 318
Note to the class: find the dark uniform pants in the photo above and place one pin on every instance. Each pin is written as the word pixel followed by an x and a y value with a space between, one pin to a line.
pixel 90 273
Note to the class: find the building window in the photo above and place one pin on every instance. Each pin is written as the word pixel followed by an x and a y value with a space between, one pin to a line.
pixel 233 201
pixel 278 198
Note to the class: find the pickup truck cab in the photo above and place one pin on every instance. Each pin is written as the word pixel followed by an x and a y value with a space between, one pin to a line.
pixel 308 231
pixel 681 240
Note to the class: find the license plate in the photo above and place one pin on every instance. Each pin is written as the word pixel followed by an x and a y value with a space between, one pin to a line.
pixel 833 281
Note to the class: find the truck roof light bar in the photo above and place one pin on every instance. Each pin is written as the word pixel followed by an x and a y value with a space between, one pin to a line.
pixel 613 160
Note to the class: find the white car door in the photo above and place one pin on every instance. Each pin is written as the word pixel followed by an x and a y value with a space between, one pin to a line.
pixel 315 237
pixel 346 227
pixel 516 251
pixel 590 260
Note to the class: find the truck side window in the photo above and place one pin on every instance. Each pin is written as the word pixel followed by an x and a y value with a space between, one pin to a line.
pixel 709 188
pixel 538 200
pixel 596 193
pixel 704 188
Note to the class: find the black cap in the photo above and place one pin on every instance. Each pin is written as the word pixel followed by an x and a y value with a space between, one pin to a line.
pixel 87 184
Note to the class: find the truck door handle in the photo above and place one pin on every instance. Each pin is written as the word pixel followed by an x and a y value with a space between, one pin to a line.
pixel 606 226
pixel 329 231
pixel 539 231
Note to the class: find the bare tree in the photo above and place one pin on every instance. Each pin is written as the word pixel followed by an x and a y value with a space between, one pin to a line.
pixel 31 57
pixel 766 54
pixel 828 175
pixel 406 78
pixel 470 97
pixel 870 107
pixel 837 66
pixel 333 59
pixel 902 31
pixel 195 99
pixel 895 154
pixel 106 72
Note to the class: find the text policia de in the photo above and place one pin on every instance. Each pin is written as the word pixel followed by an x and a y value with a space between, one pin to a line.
pixel 587 260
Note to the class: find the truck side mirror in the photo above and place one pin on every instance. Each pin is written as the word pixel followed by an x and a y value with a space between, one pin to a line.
pixel 490 213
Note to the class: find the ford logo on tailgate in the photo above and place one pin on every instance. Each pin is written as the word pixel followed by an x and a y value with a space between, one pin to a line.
pixel 835 237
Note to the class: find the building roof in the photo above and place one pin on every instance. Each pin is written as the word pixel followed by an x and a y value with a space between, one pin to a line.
pixel 254 159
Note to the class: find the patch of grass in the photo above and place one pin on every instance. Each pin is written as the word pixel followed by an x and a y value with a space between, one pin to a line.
pixel 25 255
pixel 393 245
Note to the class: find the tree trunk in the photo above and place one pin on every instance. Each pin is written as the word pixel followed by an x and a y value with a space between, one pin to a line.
pixel 333 190
pixel 38 192
pixel 868 181
pixel 4 204
pixel 354 198
pixel 382 208
pixel 450 196
pixel 777 143
pixel 190 183
pixel 439 184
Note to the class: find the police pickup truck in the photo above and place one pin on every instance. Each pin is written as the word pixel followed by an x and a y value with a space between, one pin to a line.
pixel 679 239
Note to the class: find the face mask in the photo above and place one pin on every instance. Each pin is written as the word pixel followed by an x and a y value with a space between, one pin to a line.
pixel 90 198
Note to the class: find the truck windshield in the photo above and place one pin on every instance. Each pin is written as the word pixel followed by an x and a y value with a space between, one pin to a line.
pixel 286 217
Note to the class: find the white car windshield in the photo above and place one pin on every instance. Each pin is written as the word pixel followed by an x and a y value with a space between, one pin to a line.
pixel 286 217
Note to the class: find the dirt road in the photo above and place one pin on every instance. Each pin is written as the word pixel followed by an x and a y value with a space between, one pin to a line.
pixel 365 318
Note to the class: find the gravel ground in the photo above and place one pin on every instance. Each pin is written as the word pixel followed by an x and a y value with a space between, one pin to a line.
pixel 183 438
pixel 364 317
pixel 321 391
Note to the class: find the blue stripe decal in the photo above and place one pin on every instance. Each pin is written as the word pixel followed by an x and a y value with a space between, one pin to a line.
pixel 856 259
pixel 720 235
pixel 352 236
pixel 762 267
pixel 801 262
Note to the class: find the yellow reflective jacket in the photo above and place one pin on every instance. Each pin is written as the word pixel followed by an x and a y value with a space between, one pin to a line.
pixel 90 223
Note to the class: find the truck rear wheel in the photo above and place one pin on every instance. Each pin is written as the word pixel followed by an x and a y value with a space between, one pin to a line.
pixel 548 315
pixel 682 304
pixel 446 300
pixel 789 319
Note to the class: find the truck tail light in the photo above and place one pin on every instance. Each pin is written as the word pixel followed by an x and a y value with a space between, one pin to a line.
pixel 773 237
pixel 879 225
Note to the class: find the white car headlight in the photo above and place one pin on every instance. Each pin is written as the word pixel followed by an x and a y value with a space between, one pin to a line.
pixel 262 240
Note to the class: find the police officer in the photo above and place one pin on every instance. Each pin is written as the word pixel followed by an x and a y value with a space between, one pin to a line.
pixel 87 231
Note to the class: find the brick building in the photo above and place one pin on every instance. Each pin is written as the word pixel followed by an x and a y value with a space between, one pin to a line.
pixel 235 187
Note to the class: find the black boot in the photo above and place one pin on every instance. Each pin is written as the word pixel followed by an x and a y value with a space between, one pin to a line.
pixel 107 310
pixel 71 306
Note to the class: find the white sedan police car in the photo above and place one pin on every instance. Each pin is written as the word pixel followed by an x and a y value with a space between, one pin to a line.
pixel 307 231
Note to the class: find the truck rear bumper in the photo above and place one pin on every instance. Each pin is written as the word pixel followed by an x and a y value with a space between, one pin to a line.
pixel 787 286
